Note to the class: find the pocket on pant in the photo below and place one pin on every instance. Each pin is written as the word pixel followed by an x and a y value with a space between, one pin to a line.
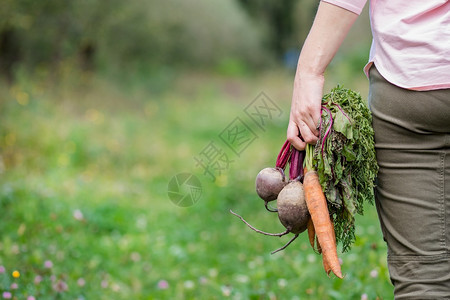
pixel 420 277
pixel 411 201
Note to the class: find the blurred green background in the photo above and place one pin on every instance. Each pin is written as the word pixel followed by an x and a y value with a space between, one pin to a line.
pixel 103 103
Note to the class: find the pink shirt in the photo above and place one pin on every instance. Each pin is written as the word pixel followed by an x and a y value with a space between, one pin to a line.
pixel 411 41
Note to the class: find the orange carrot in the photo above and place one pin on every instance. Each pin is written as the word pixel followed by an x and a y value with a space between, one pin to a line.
pixel 319 249
pixel 326 266
pixel 313 240
pixel 318 209
pixel 311 233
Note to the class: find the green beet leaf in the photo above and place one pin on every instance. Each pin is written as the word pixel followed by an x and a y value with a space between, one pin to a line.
pixel 344 158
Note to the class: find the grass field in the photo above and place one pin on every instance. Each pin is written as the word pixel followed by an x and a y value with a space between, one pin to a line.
pixel 84 206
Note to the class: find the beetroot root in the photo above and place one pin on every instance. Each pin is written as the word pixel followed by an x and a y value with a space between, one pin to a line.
pixel 292 210
pixel 269 182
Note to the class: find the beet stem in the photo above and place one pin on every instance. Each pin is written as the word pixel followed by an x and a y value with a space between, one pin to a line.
pixel 342 111
pixel 257 230
pixel 293 168
pixel 285 246
pixel 284 155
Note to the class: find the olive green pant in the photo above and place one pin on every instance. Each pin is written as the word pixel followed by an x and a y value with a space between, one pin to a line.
pixel 412 142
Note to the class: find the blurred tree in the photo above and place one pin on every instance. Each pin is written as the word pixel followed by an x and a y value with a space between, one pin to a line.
pixel 9 52
pixel 304 12
pixel 132 34
pixel 286 22
pixel 9 39
pixel 142 35
pixel 278 19
pixel 182 32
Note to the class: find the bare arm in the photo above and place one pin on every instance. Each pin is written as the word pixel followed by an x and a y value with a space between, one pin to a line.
pixel 329 29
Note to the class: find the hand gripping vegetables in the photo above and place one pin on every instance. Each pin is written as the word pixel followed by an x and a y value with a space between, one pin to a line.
pixel 329 182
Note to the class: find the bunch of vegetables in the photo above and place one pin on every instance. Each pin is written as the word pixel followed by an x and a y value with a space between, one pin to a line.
pixel 328 182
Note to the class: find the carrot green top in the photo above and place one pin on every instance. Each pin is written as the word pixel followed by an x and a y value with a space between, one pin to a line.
pixel 344 158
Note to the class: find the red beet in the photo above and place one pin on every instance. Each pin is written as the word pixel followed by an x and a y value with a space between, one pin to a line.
pixel 269 182
pixel 292 210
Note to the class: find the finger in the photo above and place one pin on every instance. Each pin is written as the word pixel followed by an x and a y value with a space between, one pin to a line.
pixel 293 136
pixel 313 124
pixel 307 134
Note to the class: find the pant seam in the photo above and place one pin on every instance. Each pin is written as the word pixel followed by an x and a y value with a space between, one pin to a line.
pixel 442 203
pixel 429 258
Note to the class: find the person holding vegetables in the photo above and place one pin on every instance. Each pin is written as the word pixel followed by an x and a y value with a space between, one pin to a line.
pixel 409 97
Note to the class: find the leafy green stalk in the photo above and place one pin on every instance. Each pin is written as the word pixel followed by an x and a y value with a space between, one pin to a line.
pixel 308 162
pixel 344 158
